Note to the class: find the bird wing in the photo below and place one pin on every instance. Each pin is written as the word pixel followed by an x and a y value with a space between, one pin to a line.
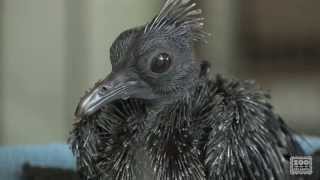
pixel 246 139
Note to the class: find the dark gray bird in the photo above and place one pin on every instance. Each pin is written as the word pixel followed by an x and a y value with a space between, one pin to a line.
pixel 159 116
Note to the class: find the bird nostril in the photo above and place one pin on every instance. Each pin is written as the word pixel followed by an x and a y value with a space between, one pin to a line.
pixel 103 90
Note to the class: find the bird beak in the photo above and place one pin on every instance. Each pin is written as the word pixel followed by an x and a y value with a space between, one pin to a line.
pixel 114 87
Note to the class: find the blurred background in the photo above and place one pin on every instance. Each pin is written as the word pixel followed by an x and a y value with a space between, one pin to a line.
pixel 52 51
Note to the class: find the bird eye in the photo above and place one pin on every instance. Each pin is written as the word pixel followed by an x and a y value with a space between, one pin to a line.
pixel 161 63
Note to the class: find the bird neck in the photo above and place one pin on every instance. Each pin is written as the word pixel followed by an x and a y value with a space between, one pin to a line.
pixel 184 96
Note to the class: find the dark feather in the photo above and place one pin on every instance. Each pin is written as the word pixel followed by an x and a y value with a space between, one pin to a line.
pixel 223 130
pixel 180 18
pixel 103 143
pixel 247 140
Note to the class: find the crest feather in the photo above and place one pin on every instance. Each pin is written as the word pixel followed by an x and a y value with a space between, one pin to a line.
pixel 179 17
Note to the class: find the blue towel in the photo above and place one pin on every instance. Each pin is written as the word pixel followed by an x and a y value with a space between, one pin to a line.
pixel 309 144
pixel 60 156
pixel 13 158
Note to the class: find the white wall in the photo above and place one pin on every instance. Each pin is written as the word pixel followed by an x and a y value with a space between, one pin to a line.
pixel 52 50
pixel 222 18
pixel 33 69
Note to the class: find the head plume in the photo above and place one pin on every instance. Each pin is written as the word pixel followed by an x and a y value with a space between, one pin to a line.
pixel 178 17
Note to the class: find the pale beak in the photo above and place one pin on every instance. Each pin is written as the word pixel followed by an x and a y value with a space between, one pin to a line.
pixel 114 87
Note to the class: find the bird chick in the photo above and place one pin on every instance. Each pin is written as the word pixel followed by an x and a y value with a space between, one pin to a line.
pixel 158 115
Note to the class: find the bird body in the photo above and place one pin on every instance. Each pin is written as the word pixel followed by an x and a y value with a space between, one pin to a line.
pixel 220 129
pixel 158 115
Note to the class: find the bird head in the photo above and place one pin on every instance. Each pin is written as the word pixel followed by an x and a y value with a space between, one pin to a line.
pixel 152 62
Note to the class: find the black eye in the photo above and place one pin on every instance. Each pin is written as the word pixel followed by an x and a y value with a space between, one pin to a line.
pixel 161 63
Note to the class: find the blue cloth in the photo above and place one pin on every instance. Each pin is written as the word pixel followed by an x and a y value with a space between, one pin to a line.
pixel 13 158
pixel 59 155
pixel 309 144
